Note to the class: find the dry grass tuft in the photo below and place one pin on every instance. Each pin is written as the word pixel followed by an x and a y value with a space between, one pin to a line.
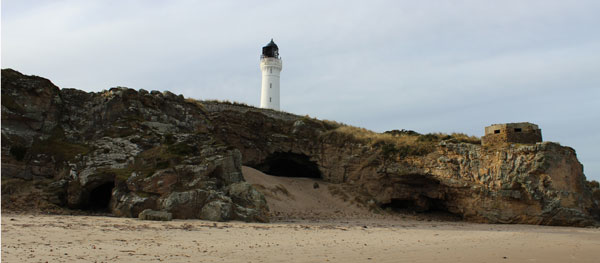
pixel 402 143
pixel 230 103
pixel 195 102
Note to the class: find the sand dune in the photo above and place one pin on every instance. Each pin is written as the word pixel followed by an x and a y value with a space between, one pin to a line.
pixel 300 198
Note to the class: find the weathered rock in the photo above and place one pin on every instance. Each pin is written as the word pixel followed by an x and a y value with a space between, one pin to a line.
pixel 216 211
pixel 150 214
pixel 132 151
pixel 250 203
pixel 120 150
pixel 540 183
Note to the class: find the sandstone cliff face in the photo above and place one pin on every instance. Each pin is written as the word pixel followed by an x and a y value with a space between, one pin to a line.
pixel 159 151
pixel 541 183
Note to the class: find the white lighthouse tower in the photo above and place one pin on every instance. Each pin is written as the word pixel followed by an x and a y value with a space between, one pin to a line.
pixel 270 65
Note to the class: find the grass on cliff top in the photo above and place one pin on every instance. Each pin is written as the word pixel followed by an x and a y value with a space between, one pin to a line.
pixel 403 143
pixel 230 103
pixel 202 103
pixel 195 102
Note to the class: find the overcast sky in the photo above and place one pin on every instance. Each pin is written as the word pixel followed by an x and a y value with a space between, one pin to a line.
pixel 428 66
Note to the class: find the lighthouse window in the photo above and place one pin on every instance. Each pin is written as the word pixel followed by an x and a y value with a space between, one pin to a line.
pixel 270 85
pixel 270 70
pixel 269 99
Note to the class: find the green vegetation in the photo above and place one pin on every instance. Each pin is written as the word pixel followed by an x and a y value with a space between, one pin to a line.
pixel 57 146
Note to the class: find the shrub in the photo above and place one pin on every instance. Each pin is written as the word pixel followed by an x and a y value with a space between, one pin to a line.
pixel 430 137
pixel 388 150
pixel 461 137
pixel 402 132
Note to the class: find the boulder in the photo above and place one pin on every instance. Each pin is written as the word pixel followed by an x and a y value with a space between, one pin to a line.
pixel 150 214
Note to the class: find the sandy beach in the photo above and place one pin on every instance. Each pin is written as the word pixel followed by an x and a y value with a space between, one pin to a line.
pixel 309 224
pixel 57 238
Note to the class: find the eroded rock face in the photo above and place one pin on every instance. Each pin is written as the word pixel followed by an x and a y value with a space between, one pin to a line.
pixel 120 151
pixel 158 151
pixel 540 183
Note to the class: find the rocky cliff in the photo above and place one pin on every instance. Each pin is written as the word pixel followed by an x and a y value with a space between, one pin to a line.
pixel 120 149
pixel 132 150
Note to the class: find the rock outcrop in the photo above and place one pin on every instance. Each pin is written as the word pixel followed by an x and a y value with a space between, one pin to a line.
pixel 120 150
pixel 150 214
pixel 539 183
pixel 134 150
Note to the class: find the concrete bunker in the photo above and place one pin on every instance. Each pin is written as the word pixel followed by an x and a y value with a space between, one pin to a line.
pixel 99 197
pixel 521 132
pixel 289 164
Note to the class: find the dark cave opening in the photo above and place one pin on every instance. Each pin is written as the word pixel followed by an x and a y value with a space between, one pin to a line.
pixel 99 198
pixel 398 205
pixel 288 164
pixel 429 207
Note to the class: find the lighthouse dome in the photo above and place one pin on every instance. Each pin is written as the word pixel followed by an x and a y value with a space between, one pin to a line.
pixel 272 44
pixel 270 50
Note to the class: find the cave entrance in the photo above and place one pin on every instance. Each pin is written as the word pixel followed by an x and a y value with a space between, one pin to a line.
pixel 288 164
pixel 398 205
pixel 100 196
pixel 428 207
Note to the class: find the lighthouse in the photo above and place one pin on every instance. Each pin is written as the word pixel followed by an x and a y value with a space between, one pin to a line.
pixel 270 65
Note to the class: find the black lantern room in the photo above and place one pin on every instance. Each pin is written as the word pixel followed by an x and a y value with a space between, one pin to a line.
pixel 270 50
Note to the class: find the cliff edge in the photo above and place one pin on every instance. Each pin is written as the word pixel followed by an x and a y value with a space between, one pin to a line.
pixel 124 151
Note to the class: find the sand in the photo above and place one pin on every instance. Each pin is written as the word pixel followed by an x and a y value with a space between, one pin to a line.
pixel 52 238
pixel 300 198
pixel 311 225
